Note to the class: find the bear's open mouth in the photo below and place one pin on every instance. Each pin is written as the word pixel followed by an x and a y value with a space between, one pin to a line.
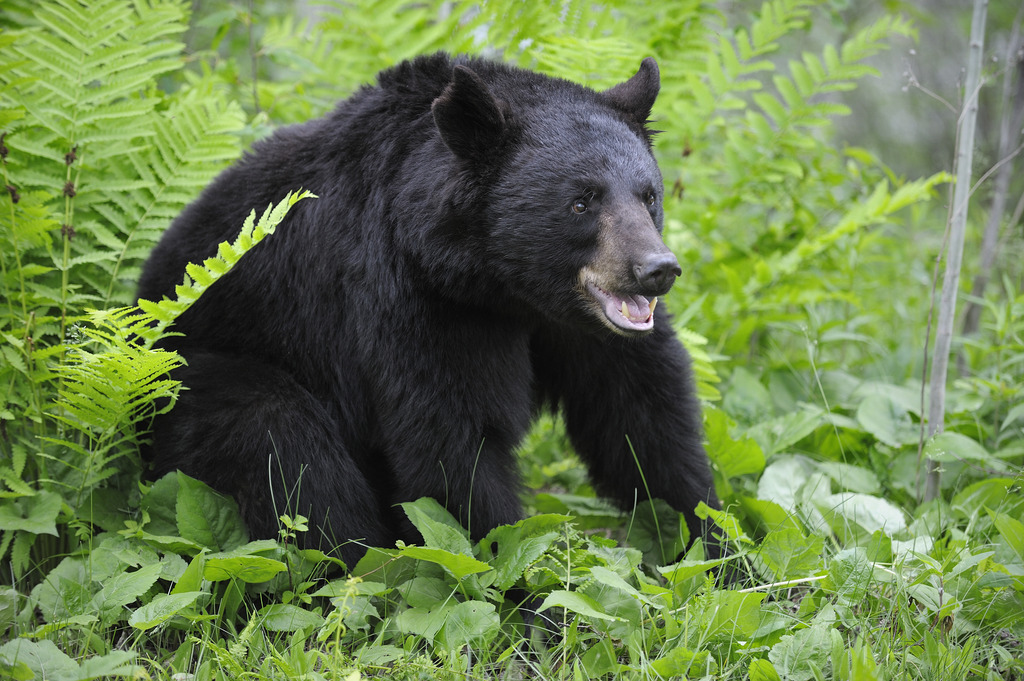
pixel 626 312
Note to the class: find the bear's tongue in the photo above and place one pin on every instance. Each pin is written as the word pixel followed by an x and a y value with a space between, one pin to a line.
pixel 633 313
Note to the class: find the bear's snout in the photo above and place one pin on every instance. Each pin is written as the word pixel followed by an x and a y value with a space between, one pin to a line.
pixel 657 272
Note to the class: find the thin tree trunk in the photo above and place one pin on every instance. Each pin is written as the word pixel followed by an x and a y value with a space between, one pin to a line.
pixel 1011 120
pixel 958 226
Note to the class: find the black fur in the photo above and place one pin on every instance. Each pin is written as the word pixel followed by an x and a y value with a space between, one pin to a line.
pixel 396 336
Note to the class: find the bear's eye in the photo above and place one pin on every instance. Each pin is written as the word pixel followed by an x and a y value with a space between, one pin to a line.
pixel 579 206
pixel 650 198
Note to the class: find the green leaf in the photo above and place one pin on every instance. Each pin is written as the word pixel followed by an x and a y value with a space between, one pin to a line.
pixel 438 527
pixel 681 662
pixel 870 513
pixel 888 421
pixel 36 514
pixel 162 608
pixel 730 615
pixel 1012 531
pixel 192 578
pixel 516 554
pixel 469 623
pixel 853 478
pixel 732 456
pixel 207 517
pixel 790 554
pixel 286 617
pixel 423 621
pixel 793 656
pixel 458 564
pixel 950 446
pixel 66 591
pixel 125 588
pixel 778 434
pixel 249 569
pixel 763 670
pixel 43 658
pixel 849 576
pixel 114 663
pixel 579 603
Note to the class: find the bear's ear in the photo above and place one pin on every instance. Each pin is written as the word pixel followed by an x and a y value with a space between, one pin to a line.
pixel 468 116
pixel 636 96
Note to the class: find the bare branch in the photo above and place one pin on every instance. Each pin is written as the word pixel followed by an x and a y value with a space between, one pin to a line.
pixel 957 229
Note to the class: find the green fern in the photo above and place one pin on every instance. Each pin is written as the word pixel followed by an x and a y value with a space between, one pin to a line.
pixel 159 316
pixel 97 161
pixel 113 383
pixel 192 141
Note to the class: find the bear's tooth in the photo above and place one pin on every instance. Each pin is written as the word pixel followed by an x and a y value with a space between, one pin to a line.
pixel 654 302
pixel 625 310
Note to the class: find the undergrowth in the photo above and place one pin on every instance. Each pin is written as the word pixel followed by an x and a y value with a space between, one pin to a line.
pixel 803 304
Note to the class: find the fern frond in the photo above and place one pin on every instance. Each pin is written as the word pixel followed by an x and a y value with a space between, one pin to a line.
pixel 193 141
pixel 199 277
pixel 84 62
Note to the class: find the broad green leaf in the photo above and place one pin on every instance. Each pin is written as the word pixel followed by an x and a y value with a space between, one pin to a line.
pixel 581 604
pixel 516 554
pixel 680 662
pixel 36 514
pixel 207 517
pixel 162 608
pixel 424 592
pixel 438 527
pixel 767 515
pixel 458 564
pixel 991 494
pixel 125 588
pixel 66 591
pixel 793 656
pixel 887 421
pixel 789 554
pixel 778 434
pixel 159 504
pixel 1012 531
pixel 762 670
pixel 862 663
pixel 42 657
pixel 287 617
pixel 949 446
pixel 423 621
pixel 730 615
pixel 192 578
pixel 600 659
pixel 849 576
pixel 732 456
pixel 116 663
pixel 614 581
pixel 723 519
pixel 853 478
pixel 468 623
pixel 249 569
pixel 866 511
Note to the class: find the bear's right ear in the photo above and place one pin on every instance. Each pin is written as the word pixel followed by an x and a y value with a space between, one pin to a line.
pixel 468 116
pixel 636 96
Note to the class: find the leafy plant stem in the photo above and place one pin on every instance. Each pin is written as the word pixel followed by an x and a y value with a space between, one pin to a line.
pixel 22 296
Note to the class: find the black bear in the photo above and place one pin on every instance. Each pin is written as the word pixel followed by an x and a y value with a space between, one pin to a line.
pixel 486 243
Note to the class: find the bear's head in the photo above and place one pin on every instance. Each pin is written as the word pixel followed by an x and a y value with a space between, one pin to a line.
pixel 569 196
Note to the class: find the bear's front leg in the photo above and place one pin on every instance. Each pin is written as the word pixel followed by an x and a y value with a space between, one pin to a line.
pixel 249 429
pixel 451 413
pixel 632 415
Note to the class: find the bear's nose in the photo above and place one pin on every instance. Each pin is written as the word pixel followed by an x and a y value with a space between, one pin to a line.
pixel 657 272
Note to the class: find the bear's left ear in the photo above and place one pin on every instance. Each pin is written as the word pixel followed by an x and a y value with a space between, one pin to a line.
pixel 468 116
pixel 636 96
